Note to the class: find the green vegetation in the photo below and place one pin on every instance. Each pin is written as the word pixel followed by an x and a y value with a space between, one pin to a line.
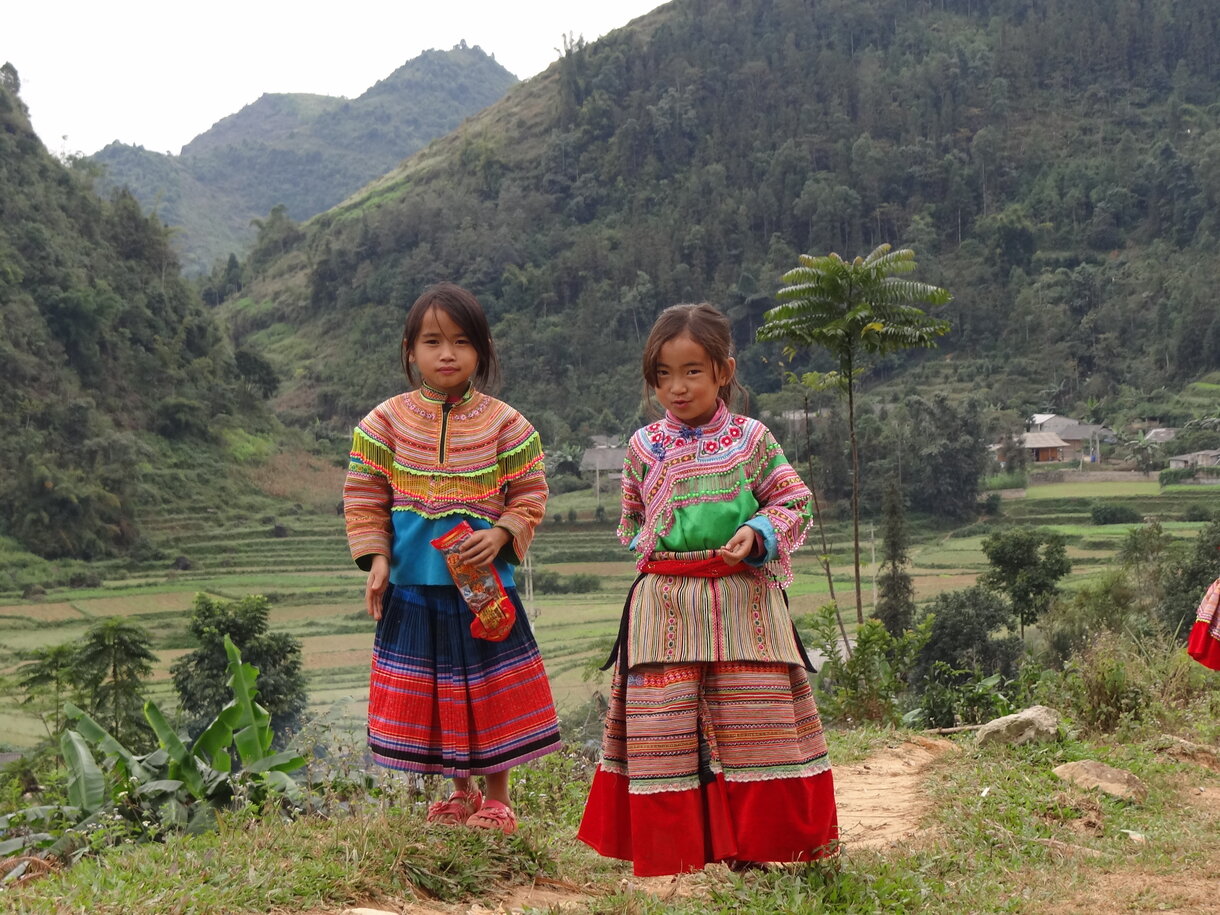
pixel 301 153
pixel 199 675
pixel 855 311
pixel 617 183
pixel 1056 187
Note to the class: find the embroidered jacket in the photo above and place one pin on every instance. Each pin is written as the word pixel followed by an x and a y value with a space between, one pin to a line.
pixel 689 489
pixel 686 491
pixel 420 465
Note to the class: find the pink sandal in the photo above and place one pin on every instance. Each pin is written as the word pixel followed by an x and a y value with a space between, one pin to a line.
pixel 460 806
pixel 494 815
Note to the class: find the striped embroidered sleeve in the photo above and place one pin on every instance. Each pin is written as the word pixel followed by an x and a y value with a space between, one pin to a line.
pixel 367 497
pixel 523 475
pixel 632 520
pixel 782 496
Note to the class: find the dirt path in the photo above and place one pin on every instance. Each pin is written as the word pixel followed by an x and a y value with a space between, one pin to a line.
pixel 880 801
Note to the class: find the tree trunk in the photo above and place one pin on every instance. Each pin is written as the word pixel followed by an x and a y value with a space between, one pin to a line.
pixel 817 511
pixel 855 492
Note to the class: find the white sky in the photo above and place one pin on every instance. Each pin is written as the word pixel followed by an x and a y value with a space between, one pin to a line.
pixel 157 73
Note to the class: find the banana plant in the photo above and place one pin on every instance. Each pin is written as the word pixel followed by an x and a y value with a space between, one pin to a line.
pixel 175 787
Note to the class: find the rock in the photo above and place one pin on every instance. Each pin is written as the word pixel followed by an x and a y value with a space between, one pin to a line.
pixel 1036 723
pixel 1194 752
pixel 1089 773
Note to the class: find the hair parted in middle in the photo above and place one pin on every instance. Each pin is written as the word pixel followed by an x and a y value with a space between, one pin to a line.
pixel 465 311
pixel 704 324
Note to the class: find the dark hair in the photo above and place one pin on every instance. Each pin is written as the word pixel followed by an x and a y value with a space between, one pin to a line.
pixel 704 324
pixel 465 311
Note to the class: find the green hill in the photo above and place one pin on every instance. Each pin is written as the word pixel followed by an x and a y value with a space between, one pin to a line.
pixel 1063 189
pixel 118 388
pixel 304 152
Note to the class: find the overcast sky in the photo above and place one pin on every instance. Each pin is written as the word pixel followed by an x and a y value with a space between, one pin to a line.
pixel 157 73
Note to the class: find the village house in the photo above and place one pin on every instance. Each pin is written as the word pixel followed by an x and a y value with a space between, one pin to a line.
pixel 1081 441
pixel 604 461
pixel 1208 458
pixel 1044 447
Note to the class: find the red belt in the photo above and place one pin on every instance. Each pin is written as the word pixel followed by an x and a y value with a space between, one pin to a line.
pixel 711 567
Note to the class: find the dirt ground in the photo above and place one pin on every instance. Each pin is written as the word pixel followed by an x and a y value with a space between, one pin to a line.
pixel 880 805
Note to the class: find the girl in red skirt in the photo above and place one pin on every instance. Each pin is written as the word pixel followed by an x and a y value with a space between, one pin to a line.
pixel 713 747
pixel 1204 643
pixel 446 695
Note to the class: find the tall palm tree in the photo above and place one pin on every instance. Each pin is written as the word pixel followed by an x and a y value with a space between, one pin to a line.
pixel 111 664
pixel 46 678
pixel 854 310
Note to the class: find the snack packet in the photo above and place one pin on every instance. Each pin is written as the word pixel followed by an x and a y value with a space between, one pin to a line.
pixel 481 588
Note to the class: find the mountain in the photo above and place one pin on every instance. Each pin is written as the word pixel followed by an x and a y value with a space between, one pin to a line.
pixel 304 152
pixel 1064 190
pixel 117 386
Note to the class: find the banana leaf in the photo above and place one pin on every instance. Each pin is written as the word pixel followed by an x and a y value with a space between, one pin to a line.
pixel 183 763
pixel 95 733
pixel 86 785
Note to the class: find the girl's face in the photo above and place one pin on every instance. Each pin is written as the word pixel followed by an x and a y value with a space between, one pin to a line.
pixel 688 383
pixel 443 354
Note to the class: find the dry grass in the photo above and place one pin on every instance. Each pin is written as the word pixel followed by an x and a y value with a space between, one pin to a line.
pixel 41 613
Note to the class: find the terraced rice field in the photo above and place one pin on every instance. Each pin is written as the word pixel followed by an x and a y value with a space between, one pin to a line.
pixel 299 560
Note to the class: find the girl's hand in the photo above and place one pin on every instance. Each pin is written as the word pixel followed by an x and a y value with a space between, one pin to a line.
pixel 481 547
pixel 374 588
pixel 740 545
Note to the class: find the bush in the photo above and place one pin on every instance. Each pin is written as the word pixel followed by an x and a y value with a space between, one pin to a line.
pixel 1114 514
pixel 990 504
pixel 867 685
pixel 1177 475
pixel 1197 513
pixel 1105 685
pixel 547 582
pixel 960 634
pixel 1110 604
pixel 561 483
pixel 953 697
pixel 1008 480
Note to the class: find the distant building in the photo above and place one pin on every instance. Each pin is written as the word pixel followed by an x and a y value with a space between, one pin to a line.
pixel 603 459
pixel 1160 436
pixel 1044 447
pixel 1208 458
pixel 1081 441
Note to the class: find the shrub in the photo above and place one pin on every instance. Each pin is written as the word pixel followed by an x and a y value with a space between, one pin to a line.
pixel 561 483
pixel 547 582
pixel 952 697
pixel 961 627
pixel 1105 685
pixel 1197 513
pixel 1007 480
pixel 867 685
pixel 1103 513
pixel 1177 475
pixel 1112 603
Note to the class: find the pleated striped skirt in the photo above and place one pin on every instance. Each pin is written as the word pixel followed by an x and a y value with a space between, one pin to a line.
pixel 711 761
pixel 442 701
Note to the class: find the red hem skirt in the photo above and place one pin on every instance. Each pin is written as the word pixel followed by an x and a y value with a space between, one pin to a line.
pixel 1203 646
pixel 711 762
pixel 442 701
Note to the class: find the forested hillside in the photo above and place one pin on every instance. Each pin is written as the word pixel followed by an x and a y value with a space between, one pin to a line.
pixel 1055 163
pixel 303 152
pixel 114 376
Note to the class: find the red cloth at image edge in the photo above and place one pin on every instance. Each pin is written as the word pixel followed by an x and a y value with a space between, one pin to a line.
pixel 1203 647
